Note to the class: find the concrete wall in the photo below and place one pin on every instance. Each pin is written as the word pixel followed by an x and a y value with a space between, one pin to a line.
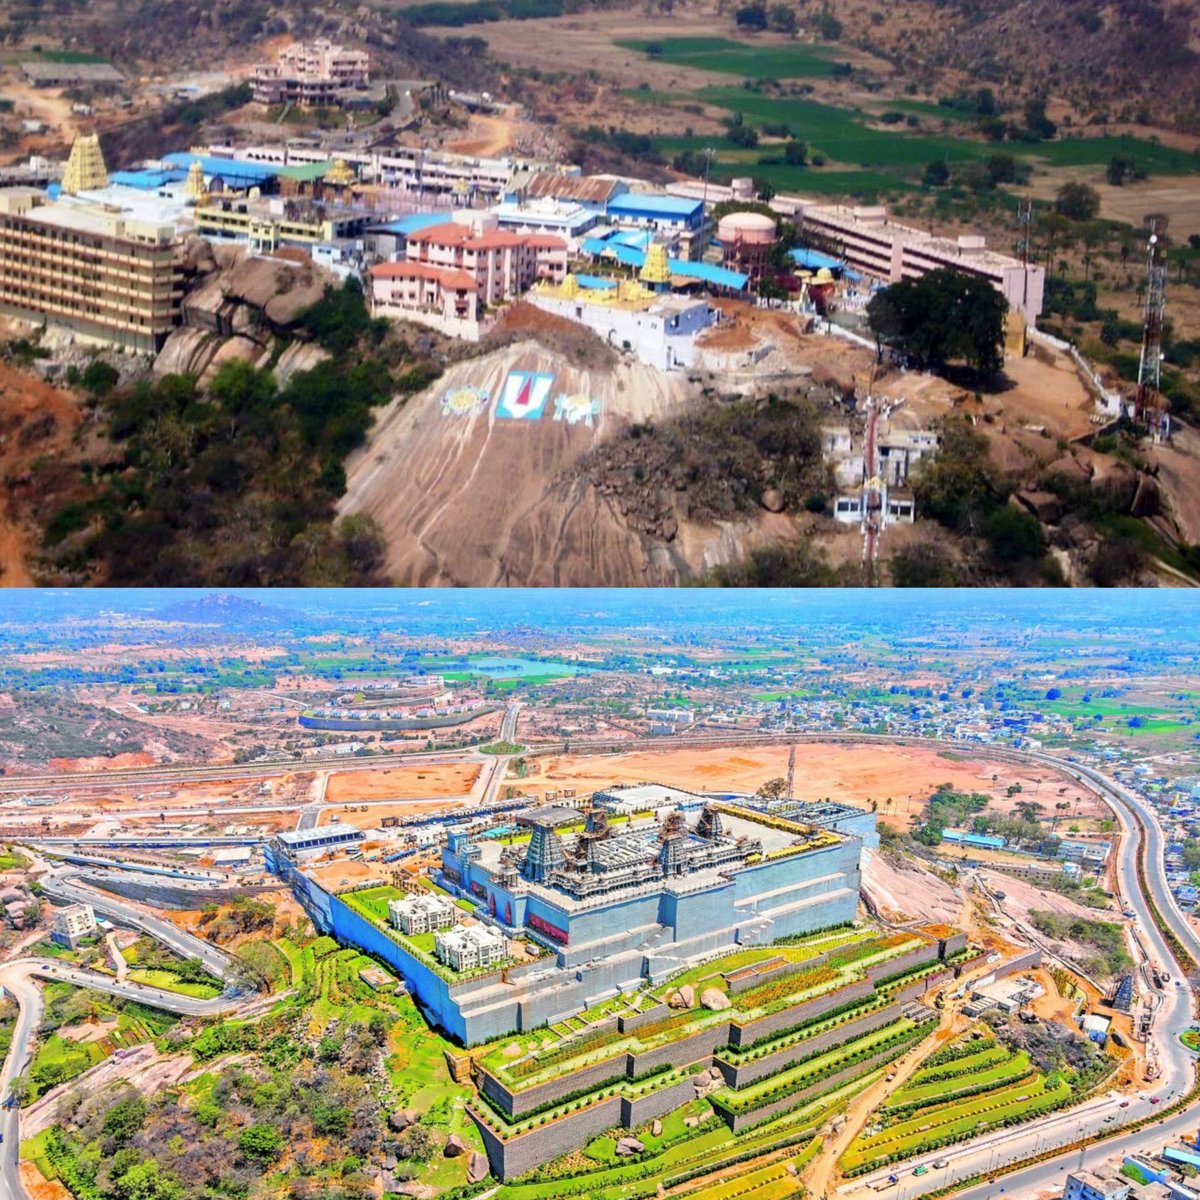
pixel 925 953
pixel 167 895
pixel 516 1104
pixel 756 1116
pixel 646 1017
pixel 743 1074
pixel 515 1156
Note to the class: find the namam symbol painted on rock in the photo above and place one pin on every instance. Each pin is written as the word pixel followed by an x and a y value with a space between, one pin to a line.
pixel 524 396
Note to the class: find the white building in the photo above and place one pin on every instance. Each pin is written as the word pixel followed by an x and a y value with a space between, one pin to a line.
pixel 870 242
pixel 466 947
pixel 1100 1184
pixel 660 329
pixel 421 912
pixel 72 924
pixel 670 716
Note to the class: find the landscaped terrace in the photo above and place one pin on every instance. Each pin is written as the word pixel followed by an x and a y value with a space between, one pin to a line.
pixel 525 1060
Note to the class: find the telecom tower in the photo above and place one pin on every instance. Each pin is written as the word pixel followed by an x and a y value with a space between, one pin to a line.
pixel 1149 407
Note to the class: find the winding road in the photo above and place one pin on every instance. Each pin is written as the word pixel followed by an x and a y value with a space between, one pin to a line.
pixel 988 1155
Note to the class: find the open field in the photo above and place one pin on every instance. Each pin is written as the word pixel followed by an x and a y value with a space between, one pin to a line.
pixel 402 783
pixel 898 778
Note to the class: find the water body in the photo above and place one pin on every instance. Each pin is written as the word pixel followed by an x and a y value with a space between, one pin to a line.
pixel 519 668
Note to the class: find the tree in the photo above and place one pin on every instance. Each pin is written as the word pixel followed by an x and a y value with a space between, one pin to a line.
pixel 262 1143
pixel 1012 536
pixel 124 1119
pixel 954 485
pixel 937 174
pixel 1077 201
pixel 147 1181
pixel 795 153
pixel 751 16
pixel 944 315
pixel 1038 127
pixel 99 378
pixel 922 565
pixel 782 18
pixel 773 788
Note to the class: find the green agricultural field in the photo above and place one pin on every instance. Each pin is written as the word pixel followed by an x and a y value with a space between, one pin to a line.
pixel 743 59
pixel 868 157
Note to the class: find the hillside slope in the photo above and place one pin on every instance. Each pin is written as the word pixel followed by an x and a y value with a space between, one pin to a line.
pixel 472 498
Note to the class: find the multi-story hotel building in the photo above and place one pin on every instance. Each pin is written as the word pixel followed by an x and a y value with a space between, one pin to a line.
pixel 311 74
pixel 106 273
pixel 887 250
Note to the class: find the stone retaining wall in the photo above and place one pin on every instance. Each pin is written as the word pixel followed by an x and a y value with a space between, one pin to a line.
pixel 743 1074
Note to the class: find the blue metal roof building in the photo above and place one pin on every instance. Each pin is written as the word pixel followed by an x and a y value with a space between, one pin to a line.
pixel 235 174
pixel 615 248
pixel 148 180
pixel 814 260
pixel 981 840
pixel 413 223
pixel 670 212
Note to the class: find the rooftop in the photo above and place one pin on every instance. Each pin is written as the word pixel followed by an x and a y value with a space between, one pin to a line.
pixel 304 837
pixel 448 277
pixel 660 205
pixel 413 223
pixel 591 189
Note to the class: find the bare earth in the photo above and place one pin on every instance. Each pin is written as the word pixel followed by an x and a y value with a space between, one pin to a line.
pixel 899 779
pixel 904 890
pixel 411 783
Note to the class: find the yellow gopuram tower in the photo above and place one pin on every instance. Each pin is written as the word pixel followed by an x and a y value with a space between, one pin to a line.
pixel 655 272
pixel 339 175
pixel 194 186
pixel 85 167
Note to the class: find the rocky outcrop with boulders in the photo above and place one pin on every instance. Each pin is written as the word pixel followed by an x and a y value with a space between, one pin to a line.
pixel 240 305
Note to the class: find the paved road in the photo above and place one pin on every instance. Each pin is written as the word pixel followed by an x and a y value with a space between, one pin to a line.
pixel 28 995
pixel 17 978
pixel 64 884
pixel 19 785
pixel 1174 1014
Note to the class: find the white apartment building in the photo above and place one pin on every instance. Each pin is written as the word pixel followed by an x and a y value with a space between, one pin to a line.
pixel 887 250
pixel 72 924
pixel 466 947
pixel 422 912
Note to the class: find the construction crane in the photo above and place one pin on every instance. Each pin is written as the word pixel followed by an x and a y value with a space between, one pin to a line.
pixel 791 775
pixel 1149 406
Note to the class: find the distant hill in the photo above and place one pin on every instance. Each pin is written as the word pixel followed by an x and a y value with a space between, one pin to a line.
pixel 229 612
pixel 1127 60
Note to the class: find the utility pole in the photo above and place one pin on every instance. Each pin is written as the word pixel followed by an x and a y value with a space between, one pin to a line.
pixel 708 157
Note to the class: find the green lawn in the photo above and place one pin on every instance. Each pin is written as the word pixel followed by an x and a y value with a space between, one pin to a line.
pixel 743 59
pixel 168 981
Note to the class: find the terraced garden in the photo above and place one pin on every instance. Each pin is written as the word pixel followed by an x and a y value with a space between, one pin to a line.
pixel 971 1086
pixel 886 1043
pixel 681 1155
pixel 523 1060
